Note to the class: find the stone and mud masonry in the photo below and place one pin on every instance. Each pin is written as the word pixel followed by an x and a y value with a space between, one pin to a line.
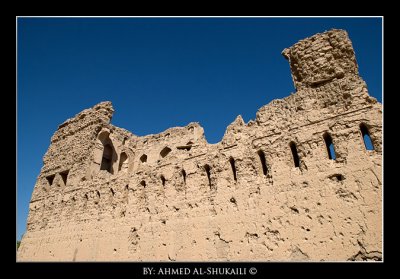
pixel 301 182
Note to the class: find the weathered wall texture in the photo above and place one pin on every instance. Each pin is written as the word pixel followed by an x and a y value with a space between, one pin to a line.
pixel 105 194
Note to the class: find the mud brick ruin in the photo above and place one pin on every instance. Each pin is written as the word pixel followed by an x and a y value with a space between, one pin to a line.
pixel 297 183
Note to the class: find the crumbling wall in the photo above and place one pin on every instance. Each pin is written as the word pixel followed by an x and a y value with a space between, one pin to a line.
pixel 272 189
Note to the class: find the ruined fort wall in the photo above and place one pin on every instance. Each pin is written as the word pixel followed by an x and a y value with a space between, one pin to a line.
pixel 173 196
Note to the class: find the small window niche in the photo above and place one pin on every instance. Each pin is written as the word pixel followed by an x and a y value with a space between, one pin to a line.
pixel 295 154
pixel 233 167
pixel 183 172
pixel 163 180
pixel 369 145
pixel 50 179
pixel 143 158
pixel 123 162
pixel 329 146
pixel 263 162
pixel 208 172
pixel 64 176
pixel 165 152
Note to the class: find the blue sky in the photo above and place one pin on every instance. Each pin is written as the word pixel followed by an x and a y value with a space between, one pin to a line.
pixel 160 73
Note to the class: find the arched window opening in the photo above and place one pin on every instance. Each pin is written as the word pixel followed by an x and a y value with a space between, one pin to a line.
pixel 296 158
pixel 123 162
pixel 143 183
pixel 106 161
pixel 366 137
pixel 143 158
pixel 183 172
pixel 263 162
pixel 329 146
pixel 208 172
pixel 107 156
pixel 165 152
pixel 232 162
pixel 163 180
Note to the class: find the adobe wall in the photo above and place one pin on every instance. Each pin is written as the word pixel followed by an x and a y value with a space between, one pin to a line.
pixel 98 198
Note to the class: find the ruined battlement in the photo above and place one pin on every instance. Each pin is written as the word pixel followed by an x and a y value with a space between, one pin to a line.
pixel 299 182
pixel 321 58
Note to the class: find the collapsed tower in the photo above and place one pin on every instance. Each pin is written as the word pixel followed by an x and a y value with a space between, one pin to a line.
pixel 297 183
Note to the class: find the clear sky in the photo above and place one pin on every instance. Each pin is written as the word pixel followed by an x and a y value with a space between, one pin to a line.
pixel 160 73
